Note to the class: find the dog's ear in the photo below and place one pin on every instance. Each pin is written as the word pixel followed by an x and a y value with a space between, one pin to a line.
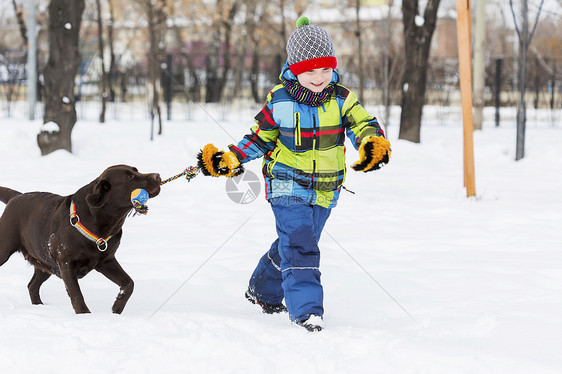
pixel 99 197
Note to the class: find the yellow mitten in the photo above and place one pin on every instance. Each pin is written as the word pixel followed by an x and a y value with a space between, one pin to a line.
pixel 374 153
pixel 218 163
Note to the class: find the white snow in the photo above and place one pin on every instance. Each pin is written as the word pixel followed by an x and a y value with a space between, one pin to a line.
pixel 418 278
pixel 68 26
pixel 419 20
pixel 50 127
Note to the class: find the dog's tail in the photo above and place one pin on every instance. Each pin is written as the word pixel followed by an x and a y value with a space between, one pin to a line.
pixel 6 194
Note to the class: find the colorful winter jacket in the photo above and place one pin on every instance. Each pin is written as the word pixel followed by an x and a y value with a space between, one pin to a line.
pixel 302 145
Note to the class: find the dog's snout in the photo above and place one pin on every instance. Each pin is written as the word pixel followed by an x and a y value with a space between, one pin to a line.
pixel 156 177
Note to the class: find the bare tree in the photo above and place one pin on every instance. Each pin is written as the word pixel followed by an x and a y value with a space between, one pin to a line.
pixel 21 23
pixel 283 30
pixel 256 11
pixel 525 38
pixel 65 17
pixel 223 21
pixel 387 66
pixel 227 24
pixel 418 32
pixel 112 70
pixel 359 50
pixel 12 88
pixel 188 59
pixel 104 79
pixel 156 29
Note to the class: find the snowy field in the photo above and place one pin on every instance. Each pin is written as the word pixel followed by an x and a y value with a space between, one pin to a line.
pixel 418 278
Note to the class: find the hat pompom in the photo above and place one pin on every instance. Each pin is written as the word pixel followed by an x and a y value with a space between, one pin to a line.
pixel 302 22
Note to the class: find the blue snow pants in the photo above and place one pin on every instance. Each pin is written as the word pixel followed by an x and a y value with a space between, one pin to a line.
pixel 290 269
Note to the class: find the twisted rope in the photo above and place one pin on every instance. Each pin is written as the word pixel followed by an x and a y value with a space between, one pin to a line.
pixel 190 172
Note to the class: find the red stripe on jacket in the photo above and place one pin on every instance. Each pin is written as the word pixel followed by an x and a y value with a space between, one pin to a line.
pixel 320 133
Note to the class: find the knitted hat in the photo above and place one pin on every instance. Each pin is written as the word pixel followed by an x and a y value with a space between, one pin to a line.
pixel 310 47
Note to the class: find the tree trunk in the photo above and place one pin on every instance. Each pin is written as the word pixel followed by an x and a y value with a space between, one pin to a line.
pixel 388 67
pixel 64 59
pixel 212 92
pixel 413 96
pixel 417 45
pixel 227 57
pixel 21 22
pixel 112 70
pixel 361 72
pixel 254 75
pixel 222 25
pixel 256 10
pixel 104 80
pixel 156 24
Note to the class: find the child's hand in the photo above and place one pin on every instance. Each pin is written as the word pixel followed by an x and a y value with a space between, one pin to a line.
pixel 218 163
pixel 374 153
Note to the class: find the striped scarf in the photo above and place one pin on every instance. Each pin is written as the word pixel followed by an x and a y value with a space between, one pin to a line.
pixel 304 96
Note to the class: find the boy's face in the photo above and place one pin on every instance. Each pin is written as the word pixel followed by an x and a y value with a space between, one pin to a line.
pixel 316 80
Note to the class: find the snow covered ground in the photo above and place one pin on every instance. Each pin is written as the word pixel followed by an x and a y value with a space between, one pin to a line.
pixel 418 278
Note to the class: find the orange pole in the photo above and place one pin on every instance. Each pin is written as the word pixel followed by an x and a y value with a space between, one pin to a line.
pixel 465 67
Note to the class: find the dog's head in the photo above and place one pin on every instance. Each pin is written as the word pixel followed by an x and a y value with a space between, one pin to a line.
pixel 115 184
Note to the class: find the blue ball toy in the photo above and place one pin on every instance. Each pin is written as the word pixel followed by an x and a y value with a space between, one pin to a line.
pixel 139 196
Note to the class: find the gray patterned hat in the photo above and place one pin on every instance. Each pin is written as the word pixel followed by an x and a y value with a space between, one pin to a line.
pixel 310 47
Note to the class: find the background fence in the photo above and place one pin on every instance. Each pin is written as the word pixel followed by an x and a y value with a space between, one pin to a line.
pixel 182 84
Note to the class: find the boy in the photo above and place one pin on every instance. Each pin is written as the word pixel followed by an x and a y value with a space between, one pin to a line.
pixel 300 135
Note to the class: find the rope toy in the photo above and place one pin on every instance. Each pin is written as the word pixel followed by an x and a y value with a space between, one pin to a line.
pixel 190 172
pixel 139 197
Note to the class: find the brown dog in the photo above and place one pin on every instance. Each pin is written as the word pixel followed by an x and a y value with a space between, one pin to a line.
pixel 70 235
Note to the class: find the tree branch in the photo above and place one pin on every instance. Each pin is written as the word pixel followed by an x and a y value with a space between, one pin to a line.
pixel 21 22
pixel 515 22
pixel 536 23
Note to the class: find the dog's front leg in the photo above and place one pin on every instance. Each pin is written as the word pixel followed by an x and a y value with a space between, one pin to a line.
pixel 70 279
pixel 115 273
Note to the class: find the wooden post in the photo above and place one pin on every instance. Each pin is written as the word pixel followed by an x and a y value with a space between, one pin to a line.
pixel 465 59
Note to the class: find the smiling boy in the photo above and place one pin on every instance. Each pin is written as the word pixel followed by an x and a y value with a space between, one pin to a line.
pixel 300 134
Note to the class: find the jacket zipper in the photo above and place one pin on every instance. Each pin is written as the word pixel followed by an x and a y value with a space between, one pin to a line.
pixel 313 150
pixel 297 129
